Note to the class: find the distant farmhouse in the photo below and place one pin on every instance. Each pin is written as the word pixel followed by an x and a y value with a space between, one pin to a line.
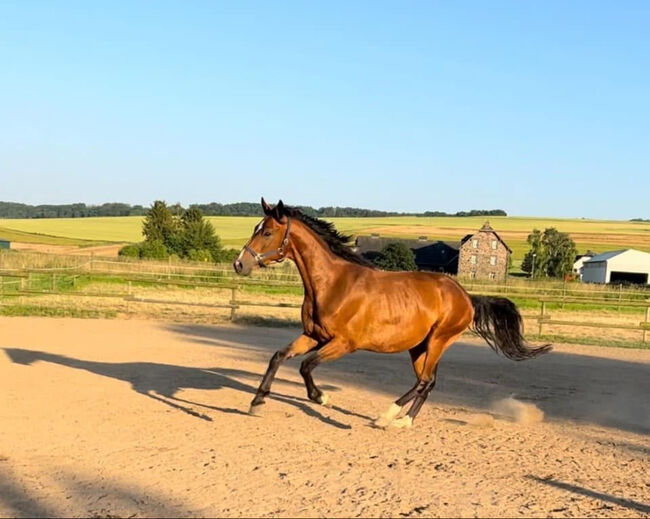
pixel 482 255
pixel 5 244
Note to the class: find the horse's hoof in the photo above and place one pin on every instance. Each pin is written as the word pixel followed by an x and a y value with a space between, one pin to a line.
pixel 255 410
pixel 402 423
pixel 324 400
pixel 384 420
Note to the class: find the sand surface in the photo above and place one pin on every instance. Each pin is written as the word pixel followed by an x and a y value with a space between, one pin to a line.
pixel 109 418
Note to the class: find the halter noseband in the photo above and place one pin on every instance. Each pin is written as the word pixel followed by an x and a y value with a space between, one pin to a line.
pixel 279 251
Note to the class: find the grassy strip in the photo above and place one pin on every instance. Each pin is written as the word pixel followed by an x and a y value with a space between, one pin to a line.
pixel 15 310
pixel 591 341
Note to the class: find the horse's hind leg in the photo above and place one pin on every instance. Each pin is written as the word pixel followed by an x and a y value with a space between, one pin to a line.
pixel 418 355
pixel 331 351
pixel 437 343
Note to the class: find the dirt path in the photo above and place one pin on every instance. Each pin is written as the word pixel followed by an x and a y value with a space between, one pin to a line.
pixel 110 250
pixel 139 418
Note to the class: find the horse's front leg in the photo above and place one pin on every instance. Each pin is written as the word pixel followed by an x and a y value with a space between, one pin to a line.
pixel 331 351
pixel 301 345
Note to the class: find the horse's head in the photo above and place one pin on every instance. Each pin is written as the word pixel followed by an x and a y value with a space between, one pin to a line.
pixel 269 241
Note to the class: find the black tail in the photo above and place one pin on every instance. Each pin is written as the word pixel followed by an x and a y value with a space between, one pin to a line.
pixel 498 322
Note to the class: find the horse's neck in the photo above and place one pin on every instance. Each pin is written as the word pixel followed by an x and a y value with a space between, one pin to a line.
pixel 317 264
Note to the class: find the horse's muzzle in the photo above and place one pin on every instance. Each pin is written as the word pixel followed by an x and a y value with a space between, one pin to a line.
pixel 241 269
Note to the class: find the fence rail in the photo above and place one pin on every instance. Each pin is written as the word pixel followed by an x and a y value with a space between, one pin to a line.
pixel 18 282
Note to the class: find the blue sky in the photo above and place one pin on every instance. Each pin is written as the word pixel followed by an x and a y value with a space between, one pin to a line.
pixel 539 108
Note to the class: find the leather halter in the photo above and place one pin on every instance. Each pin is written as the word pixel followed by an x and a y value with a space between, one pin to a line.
pixel 280 251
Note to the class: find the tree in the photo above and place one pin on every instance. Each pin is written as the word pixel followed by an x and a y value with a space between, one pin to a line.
pixel 553 253
pixel 159 224
pixel 396 256
pixel 534 255
pixel 560 253
pixel 198 240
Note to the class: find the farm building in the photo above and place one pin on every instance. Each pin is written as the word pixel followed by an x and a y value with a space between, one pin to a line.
pixel 436 256
pixel 5 244
pixel 580 261
pixel 481 255
pixel 484 255
pixel 619 266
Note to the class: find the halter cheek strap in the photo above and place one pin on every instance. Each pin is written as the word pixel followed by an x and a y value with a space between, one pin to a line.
pixel 280 251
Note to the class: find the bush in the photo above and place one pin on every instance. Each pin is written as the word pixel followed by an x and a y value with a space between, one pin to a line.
pixel 153 249
pixel 227 256
pixel 200 255
pixel 396 256
pixel 130 251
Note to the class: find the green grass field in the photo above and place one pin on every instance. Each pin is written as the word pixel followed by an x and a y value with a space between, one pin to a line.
pixel 598 235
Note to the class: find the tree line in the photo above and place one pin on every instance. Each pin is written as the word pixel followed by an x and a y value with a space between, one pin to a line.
pixel 81 210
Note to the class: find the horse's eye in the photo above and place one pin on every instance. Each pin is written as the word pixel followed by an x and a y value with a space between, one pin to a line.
pixel 267 233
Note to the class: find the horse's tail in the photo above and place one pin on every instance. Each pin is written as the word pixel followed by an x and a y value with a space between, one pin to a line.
pixel 498 322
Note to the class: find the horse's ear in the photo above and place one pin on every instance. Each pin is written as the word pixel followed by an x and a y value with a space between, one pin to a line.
pixel 278 211
pixel 266 207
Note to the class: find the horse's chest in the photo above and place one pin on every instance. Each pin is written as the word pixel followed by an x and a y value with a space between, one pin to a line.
pixel 312 322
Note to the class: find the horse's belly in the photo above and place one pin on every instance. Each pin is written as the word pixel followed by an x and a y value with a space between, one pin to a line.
pixel 391 331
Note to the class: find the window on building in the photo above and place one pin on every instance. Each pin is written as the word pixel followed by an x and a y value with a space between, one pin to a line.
pixel 492 275
pixel 493 260
pixel 472 260
pixel 494 244
pixel 474 244
pixel 472 275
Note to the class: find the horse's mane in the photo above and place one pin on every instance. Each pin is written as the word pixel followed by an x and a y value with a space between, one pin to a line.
pixel 339 244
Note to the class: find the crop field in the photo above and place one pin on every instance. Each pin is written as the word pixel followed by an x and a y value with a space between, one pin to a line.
pixel 598 235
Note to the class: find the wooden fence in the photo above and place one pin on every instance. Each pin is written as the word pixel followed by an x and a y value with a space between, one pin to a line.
pixel 19 283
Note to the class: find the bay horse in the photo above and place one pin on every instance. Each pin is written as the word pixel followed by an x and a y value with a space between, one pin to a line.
pixel 350 305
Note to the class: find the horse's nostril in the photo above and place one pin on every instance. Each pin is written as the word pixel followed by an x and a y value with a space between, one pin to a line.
pixel 238 266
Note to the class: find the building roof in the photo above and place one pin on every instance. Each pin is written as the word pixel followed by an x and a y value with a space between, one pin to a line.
pixel 628 253
pixel 606 255
pixel 376 243
pixel 433 254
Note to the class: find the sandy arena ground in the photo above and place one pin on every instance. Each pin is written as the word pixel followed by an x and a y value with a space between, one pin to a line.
pixel 108 418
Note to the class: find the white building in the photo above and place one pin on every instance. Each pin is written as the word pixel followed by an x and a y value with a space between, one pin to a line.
pixel 617 266
pixel 580 261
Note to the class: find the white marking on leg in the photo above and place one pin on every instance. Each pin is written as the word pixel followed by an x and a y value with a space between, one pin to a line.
pixel 388 416
pixel 403 422
pixel 325 400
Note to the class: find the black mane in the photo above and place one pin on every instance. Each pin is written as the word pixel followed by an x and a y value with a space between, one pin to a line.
pixel 339 244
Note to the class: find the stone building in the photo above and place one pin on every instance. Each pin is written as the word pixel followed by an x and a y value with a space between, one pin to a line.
pixel 483 256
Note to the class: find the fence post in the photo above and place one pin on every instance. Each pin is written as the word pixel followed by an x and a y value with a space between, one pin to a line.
pixel 620 290
pixel 647 320
pixel 233 302
pixel 563 293
pixel 53 282
pixel 169 267
pixel 541 318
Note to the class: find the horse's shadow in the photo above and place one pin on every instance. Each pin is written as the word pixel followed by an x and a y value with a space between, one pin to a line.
pixel 162 382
